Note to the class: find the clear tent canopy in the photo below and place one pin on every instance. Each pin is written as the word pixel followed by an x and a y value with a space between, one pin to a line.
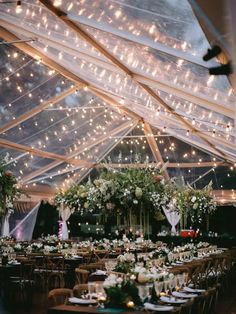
pixel 86 83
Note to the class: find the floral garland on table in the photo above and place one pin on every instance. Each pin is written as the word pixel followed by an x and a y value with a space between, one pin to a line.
pixel 121 293
pixel 8 188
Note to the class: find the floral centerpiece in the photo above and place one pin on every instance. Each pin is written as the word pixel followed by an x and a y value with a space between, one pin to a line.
pixel 120 293
pixel 125 263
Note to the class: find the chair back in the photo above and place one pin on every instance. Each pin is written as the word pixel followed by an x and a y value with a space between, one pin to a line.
pixel 187 308
pixel 59 296
pixel 81 276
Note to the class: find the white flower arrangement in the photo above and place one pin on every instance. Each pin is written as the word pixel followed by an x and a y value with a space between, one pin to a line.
pixel 201 245
pixel 127 257
pixel 112 281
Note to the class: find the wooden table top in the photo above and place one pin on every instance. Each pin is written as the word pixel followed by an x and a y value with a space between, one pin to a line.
pixel 68 309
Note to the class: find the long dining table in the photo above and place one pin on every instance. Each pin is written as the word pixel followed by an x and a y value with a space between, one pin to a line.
pixel 69 309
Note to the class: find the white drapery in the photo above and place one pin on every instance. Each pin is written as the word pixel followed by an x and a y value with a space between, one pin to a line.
pixel 23 231
pixel 65 213
pixel 6 227
pixel 173 218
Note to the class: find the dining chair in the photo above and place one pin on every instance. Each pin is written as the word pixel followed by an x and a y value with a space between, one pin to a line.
pixel 22 286
pixel 187 308
pixel 55 271
pixel 59 296
pixel 81 275
pixel 210 300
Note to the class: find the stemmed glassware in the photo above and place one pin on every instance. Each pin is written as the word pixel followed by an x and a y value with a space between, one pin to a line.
pixel 158 287
pixel 144 292
pixel 101 295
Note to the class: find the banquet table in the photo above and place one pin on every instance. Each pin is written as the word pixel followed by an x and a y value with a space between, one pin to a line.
pixel 68 309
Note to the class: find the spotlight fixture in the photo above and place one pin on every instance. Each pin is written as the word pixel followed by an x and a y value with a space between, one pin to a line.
pixel 224 69
pixel 211 53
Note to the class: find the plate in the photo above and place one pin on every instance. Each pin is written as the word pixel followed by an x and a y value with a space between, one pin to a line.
pixel 82 301
pixel 191 290
pixel 183 295
pixel 99 273
pixel 172 300
pixel 157 308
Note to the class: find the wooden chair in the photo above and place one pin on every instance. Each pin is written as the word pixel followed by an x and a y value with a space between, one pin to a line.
pixel 55 271
pixel 59 296
pixel 187 307
pixel 210 300
pixel 81 275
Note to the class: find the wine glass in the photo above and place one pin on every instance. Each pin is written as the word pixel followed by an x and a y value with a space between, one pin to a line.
pixel 101 295
pixel 91 289
pixel 143 292
pixel 180 281
pixel 167 286
pixel 185 278
pixel 158 287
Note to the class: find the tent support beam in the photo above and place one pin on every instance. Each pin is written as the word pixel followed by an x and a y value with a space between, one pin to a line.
pixel 154 147
pixel 107 152
pixel 76 152
pixel 100 165
pixel 168 165
pixel 141 40
pixel 31 113
pixel 38 152
pixel 51 63
pixel 167 87
pixel 64 17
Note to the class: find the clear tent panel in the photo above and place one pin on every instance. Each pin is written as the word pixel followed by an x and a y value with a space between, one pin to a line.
pixel 176 151
pixel 164 68
pixel 68 173
pixel 193 176
pixel 194 111
pixel 12 154
pixel 133 148
pixel 61 131
pixel 27 86
pixel 36 19
pixel 171 23
pixel 133 90
pixel 221 177
pixel 29 163
pixel 216 84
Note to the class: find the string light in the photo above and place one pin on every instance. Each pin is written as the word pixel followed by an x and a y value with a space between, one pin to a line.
pixel 134 26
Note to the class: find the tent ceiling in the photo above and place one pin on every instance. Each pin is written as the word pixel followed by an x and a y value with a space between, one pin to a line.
pixel 91 72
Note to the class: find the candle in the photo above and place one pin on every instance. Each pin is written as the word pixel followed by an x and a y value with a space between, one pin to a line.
pixel 130 304
pixel 102 298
